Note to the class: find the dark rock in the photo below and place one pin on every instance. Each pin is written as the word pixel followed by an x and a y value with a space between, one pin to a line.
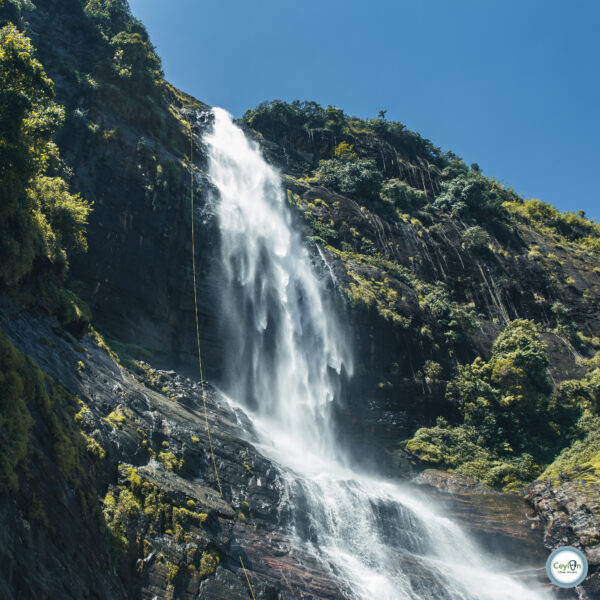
pixel 224 584
pixel 452 483
pixel 132 420
pixel 569 512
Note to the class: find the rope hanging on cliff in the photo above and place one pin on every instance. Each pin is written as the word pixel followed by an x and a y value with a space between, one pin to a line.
pixel 247 578
pixel 196 313
pixel 198 340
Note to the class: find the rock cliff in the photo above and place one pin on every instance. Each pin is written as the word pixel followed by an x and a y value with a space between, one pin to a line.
pixel 429 270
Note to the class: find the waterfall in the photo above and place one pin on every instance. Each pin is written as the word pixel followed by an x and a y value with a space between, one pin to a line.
pixel 287 353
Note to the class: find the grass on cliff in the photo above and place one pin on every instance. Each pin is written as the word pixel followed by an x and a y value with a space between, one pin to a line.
pixel 136 510
pixel 580 461
pixel 39 430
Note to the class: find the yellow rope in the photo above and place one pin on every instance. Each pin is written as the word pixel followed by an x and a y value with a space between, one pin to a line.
pixel 247 579
pixel 196 313
pixel 198 341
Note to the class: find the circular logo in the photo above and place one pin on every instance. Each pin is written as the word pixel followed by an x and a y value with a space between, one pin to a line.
pixel 567 567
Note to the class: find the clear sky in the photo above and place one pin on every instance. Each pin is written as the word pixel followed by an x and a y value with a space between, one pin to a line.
pixel 513 85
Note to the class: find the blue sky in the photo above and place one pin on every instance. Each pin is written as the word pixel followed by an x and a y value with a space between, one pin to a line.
pixel 511 85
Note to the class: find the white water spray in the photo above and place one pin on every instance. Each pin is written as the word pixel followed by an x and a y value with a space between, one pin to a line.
pixel 286 355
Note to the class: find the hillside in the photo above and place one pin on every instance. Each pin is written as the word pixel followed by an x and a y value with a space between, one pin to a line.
pixel 461 292
pixel 473 316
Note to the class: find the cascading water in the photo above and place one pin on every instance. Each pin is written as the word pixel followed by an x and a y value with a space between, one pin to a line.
pixel 287 353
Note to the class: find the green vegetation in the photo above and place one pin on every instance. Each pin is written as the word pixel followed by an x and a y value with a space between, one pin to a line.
pixel 39 431
pixel 570 228
pixel 368 293
pixel 170 462
pixel 39 219
pixel 172 570
pixel 209 563
pixel 403 197
pixel 357 178
pixel 299 124
pixel 472 196
pixel 15 418
pixel 135 64
pixel 457 321
pixel 511 421
pixel 116 418
pixel 137 505
pixel 476 239
pixel 575 408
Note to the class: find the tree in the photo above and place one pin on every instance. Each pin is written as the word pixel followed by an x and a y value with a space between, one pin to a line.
pixel 504 431
pixel 470 194
pixel 476 239
pixel 39 218
pixel 403 196
pixel 357 178
pixel 506 398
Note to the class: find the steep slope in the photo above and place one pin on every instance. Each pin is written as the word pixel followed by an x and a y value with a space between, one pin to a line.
pixel 475 312
pixel 126 140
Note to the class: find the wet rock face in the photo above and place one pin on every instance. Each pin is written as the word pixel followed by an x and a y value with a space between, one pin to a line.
pixel 137 274
pixel 132 160
pixel 452 483
pixel 527 531
pixel 38 563
pixel 164 530
pixel 568 512
pixel 501 523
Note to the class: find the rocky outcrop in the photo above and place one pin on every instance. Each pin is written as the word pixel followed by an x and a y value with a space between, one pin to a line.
pixel 453 483
pixel 164 523
pixel 129 154
pixel 502 523
pixel 569 513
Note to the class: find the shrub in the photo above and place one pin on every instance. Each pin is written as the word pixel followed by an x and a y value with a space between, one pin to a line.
pixel 470 195
pixel 356 178
pixel 345 151
pixel 39 219
pixel 170 461
pixel 432 371
pixel 366 293
pixel 457 321
pixel 506 431
pixel 476 239
pixel 402 196
pixel 565 326
pixel 135 62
